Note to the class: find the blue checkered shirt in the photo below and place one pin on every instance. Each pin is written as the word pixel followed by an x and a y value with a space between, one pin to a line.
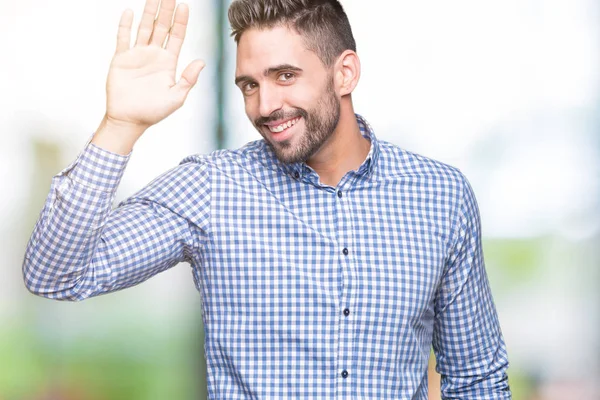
pixel 308 291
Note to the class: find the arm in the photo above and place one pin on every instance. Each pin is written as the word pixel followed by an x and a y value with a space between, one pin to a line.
pixel 79 248
pixel 467 340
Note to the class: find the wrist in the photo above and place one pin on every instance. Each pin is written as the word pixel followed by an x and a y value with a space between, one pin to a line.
pixel 117 136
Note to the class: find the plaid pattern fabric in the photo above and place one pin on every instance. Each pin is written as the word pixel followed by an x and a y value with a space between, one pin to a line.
pixel 308 291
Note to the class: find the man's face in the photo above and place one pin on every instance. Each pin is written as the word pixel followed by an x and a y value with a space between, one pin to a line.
pixel 288 93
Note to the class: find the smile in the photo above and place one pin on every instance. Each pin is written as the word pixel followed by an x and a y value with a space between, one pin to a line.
pixel 284 126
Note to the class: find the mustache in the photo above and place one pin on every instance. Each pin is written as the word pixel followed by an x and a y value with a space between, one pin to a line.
pixel 280 114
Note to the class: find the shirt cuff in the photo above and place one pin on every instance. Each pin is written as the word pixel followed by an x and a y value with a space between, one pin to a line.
pixel 97 168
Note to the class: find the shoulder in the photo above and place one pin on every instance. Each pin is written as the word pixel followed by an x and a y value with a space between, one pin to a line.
pixel 440 186
pixel 186 189
pixel 398 163
pixel 193 174
pixel 251 153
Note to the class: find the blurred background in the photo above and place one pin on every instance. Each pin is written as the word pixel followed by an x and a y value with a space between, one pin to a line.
pixel 508 91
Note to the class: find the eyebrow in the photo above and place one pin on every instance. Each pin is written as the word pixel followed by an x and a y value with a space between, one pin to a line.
pixel 268 71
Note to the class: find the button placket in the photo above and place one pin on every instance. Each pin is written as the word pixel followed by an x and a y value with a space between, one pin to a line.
pixel 344 241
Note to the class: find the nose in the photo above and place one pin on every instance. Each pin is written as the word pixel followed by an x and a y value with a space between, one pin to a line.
pixel 270 100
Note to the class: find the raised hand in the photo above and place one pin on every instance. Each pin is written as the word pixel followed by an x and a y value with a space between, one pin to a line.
pixel 141 88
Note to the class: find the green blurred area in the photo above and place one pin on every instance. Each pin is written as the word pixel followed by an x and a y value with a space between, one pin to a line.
pixel 516 259
pixel 132 364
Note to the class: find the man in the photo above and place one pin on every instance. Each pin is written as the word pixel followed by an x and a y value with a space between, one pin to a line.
pixel 328 262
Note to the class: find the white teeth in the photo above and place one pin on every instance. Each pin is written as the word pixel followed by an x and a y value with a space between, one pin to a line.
pixel 280 128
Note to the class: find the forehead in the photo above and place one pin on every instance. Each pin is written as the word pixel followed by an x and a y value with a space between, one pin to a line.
pixel 262 48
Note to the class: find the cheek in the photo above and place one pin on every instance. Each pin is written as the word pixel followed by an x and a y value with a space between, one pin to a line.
pixel 250 108
pixel 305 97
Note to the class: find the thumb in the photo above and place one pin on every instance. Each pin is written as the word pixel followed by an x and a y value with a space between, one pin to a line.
pixel 189 77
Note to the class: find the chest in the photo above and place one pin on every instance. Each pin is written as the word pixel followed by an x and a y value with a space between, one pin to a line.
pixel 304 245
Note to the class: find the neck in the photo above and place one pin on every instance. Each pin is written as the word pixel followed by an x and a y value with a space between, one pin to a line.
pixel 344 151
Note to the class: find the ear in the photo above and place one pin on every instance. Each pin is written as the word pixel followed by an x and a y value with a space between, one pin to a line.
pixel 347 74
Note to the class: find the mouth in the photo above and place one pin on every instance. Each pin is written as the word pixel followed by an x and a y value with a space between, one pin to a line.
pixel 278 127
pixel 280 130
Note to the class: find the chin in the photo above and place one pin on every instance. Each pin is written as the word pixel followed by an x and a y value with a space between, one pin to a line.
pixel 286 157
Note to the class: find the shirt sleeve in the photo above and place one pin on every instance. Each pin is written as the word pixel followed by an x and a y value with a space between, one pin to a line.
pixel 467 340
pixel 80 247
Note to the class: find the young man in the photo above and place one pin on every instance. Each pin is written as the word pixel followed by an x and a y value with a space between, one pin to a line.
pixel 328 261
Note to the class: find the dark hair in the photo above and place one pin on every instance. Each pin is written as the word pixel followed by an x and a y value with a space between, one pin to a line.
pixel 323 23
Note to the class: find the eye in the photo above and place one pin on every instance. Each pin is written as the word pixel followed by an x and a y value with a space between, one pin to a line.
pixel 249 87
pixel 286 77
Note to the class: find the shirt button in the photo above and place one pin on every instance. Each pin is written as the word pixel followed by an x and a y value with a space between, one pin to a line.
pixel 296 174
pixel 345 251
pixel 340 194
pixel 346 312
pixel 344 374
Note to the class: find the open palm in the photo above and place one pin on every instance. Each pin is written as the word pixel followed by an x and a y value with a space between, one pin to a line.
pixel 141 87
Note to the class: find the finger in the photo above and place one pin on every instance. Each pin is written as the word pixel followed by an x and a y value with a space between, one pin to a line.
pixel 178 29
pixel 189 77
pixel 162 25
pixel 147 22
pixel 124 32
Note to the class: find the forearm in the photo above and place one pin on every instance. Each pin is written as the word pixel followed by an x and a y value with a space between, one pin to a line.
pixel 476 366
pixel 471 351
pixel 493 386
pixel 61 247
